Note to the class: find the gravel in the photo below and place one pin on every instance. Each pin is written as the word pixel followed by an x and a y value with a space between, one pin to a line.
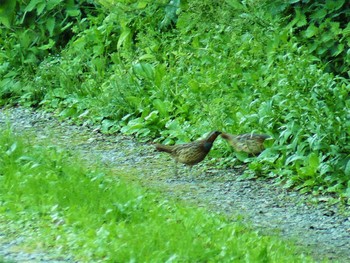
pixel 267 207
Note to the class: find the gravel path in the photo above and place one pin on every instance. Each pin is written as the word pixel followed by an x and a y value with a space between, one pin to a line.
pixel 268 207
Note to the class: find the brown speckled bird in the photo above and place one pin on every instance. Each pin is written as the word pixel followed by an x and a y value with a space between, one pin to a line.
pixel 250 143
pixel 190 153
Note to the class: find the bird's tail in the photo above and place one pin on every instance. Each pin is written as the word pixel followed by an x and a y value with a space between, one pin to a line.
pixel 163 148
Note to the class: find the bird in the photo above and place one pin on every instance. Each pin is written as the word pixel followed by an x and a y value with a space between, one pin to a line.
pixel 250 143
pixel 189 153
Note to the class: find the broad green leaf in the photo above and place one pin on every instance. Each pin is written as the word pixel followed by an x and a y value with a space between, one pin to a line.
pixel 142 4
pixel 339 49
pixel 106 125
pixel 123 37
pixel 162 106
pixel 300 18
pixel 133 126
pixel 147 57
pixel 32 4
pixel 48 45
pixel 40 8
pixel 159 74
pixel 324 168
pixel 346 30
pixel 6 20
pixel 73 12
pixel 335 28
pixel 319 14
pixel 269 142
pixel 333 5
pixel 347 192
pixel 170 13
pixel 293 158
pixel 7 13
pixel 347 170
pixel 242 156
pixel 236 4
pixel 66 25
pixel 327 36
pixel 313 161
pixel 311 31
pixel 309 182
pixel 194 85
pixel 145 70
pixel 173 125
pixel 335 188
pixel 50 25
pixel 25 38
pixel 152 116
pixel 51 4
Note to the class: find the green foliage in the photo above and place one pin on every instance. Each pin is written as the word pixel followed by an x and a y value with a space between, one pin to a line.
pixel 32 30
pixel 323 26
pixel 172 71
pixel 309 112
pixel 58 201
pixel 7 12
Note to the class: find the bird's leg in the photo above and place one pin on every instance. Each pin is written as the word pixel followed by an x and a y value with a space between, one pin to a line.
pixel 175 168
pixel 190 172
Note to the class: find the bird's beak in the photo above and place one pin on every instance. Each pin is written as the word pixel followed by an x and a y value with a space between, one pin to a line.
pixel 224 135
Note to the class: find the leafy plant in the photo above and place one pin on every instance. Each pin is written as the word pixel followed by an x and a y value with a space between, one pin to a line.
pixel 323 26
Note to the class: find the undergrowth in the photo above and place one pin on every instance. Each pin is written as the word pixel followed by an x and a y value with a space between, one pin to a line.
pixel 173 71
pixel 57 201
pixel 323 26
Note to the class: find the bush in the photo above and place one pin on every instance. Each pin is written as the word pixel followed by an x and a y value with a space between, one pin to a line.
pixel 323 26
pixel 30 32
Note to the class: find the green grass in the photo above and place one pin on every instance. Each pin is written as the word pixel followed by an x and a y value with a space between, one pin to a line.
pixel 2 260
pixel 54 199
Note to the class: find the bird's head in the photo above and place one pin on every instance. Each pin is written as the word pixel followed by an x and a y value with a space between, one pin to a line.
pixel 225 136
pixel 212 136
